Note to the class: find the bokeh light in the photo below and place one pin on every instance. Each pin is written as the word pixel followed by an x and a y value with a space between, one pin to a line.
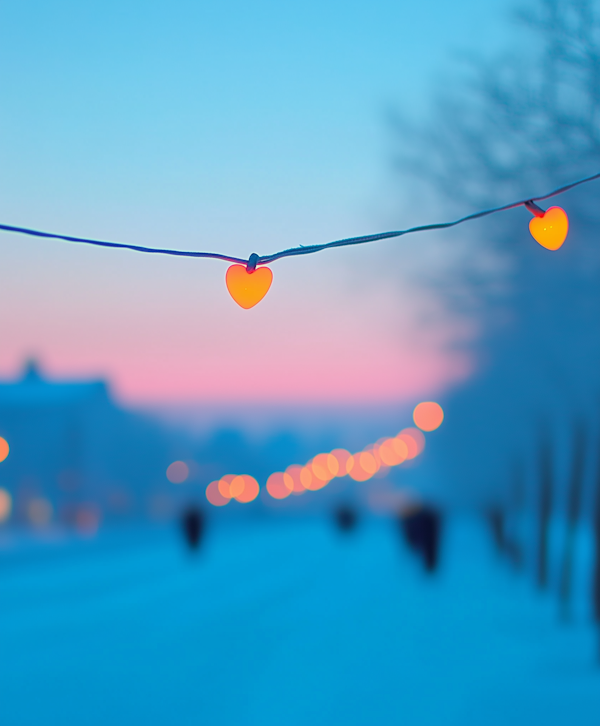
pixel 344 460
pixel 250 489
pixel 400 447
pixel 307 479
pixel 333 465
pixel 417 436
pixel 428 415
pixel 414 441
pixel 293 476
pixel 368 462
pixel 358 472
pixel 178 472
pixel 374 460
pixel 4 449
pixel 214 496
pixel 324 467
pixel 373 450
pixel 277 486
pixel 224 483
pixel 350 464
pixel 39 511
pixel 5 505
pixel 411 445
pixel 393 451
pixel 87 520
pixel 236 488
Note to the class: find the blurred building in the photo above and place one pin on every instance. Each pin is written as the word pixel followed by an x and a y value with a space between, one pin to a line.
pixel 75 457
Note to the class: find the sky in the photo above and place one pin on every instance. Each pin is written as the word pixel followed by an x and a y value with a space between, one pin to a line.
pixel 236 128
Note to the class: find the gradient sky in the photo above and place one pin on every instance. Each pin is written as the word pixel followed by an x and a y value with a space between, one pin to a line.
pixel 232 127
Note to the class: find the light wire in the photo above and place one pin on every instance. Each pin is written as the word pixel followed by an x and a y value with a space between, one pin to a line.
pixel 255 260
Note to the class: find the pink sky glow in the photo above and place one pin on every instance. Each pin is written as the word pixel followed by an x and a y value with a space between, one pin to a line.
pixel 167 331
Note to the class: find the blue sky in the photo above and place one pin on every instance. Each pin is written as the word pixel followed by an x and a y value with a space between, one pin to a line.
pixel 225 126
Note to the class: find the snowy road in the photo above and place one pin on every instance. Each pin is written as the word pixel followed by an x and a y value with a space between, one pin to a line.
pixel 287 624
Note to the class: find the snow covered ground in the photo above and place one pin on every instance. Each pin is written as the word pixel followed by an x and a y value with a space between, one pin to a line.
pixel 287 623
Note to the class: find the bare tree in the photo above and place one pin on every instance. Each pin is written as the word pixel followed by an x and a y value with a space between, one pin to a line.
pixel 596 530
pixel 573 512
pixel 517 126
pixel 519 121
pixel 545 511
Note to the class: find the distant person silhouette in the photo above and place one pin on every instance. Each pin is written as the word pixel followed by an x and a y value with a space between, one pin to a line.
pixel 192 524
pixel 421 525
pixel 346 518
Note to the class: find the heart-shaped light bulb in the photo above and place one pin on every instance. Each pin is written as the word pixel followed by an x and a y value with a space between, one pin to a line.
pixel 551 229
pixel 248 288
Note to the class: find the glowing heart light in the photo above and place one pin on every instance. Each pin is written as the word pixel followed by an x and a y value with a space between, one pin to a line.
pixel 548 228
pixel 248 287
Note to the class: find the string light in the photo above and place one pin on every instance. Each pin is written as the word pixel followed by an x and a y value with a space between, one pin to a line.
pixel 548 228
pixel 248 286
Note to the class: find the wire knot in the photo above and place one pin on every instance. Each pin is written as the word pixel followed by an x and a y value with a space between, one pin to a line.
pixel 534 209
pixel 252 262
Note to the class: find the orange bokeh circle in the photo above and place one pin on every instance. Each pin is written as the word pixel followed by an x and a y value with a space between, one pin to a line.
pixel 393 452
pixel 411 445
pixel 414 440
pixel 417 435
pixel 428 415
pixel 236 487
pixel 324 467
pixel 373 450
pixel 358 471
pixel 4 449
pixel 400 447
pixel 250 489
pixel 344 461
pixel 277 486
pixel 307 479
pixel 293 480
pixel 368 462
pixel 224 484
pixel 214 496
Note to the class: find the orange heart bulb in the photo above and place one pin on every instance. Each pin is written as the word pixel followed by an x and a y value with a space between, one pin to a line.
pixel 551 229
pixel 248 288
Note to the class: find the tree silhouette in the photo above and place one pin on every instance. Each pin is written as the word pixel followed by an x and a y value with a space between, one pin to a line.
pixel 517 126
pixel 574 495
